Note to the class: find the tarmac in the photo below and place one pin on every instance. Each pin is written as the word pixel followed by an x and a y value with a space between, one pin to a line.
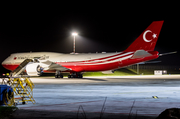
pixel 143 96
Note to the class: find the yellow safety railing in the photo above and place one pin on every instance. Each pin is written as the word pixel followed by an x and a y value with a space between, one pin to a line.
pixel 23 87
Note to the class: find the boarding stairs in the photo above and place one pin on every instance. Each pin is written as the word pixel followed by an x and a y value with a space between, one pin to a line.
pixel 21 84
pixel 20 68
pixel 23 87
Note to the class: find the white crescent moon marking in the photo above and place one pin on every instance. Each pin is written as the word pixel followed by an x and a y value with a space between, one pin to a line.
pixel 144 36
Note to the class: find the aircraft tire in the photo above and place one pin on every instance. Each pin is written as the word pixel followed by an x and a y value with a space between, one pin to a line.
pixel 61 76
pixel 75 76
pixel 58 76
pixel 80 76
pixel 69 76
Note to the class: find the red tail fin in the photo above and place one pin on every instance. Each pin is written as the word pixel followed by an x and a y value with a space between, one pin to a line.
pixel 147 40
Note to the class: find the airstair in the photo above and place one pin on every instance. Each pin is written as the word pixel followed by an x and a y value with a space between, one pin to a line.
pixel 20 68
pixel 22 86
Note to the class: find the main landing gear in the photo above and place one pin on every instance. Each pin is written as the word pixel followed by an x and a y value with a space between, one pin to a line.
pixel 72 75
pixel 75 75
pixel 58 74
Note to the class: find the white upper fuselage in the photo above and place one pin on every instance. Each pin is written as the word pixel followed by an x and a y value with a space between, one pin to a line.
pixel 17 58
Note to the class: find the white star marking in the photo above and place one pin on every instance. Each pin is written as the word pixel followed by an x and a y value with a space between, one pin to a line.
pixel 154 35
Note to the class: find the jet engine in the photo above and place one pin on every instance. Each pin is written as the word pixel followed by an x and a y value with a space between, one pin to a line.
pixel 34 69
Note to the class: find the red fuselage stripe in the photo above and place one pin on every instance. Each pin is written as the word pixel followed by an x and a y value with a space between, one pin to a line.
pixel 108 63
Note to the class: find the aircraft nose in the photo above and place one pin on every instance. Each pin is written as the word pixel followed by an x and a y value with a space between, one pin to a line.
pixel 6 61
pixel 4 64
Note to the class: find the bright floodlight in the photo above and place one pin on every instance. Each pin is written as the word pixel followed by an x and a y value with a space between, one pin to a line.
pixel 74 34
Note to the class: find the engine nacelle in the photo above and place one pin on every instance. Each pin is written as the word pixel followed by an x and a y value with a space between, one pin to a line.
pixel 34 69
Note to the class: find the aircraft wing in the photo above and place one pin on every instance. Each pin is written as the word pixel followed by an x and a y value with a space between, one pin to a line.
pixel 54 66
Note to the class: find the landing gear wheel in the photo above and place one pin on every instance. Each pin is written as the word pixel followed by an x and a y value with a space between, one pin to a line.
pixel 75 75
pixel 58 76
pixel 79 76
pixel 69 76
pixel 61 76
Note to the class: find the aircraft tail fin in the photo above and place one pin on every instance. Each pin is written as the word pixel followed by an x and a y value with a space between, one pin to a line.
pixel 147 40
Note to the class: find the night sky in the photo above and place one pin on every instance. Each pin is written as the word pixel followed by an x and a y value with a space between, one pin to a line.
pixel 101 28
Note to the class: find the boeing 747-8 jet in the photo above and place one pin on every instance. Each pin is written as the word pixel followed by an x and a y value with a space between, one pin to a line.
pixel 141 50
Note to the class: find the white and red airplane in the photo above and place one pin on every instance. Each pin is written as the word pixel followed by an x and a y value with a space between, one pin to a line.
pixel 141 50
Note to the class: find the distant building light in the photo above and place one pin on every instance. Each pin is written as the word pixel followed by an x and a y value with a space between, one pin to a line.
pixel 165 72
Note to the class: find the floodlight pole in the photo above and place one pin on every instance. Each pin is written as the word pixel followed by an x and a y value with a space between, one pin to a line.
pixel 74 45
pixel 74 34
